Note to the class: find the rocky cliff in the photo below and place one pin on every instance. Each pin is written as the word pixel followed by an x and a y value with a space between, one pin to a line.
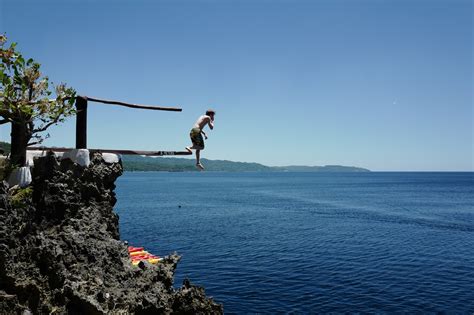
pixel 60 249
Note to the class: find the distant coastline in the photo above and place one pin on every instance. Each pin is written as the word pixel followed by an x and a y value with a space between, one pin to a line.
pixel 169 164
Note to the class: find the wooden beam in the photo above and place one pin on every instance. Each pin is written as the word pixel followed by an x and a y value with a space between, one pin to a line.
pixel 116 151
pixel 173 109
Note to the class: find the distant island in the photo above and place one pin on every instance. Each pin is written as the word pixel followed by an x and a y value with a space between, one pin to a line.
pixel 169 164
pixel 140 163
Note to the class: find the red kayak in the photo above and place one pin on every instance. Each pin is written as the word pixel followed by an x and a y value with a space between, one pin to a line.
pixel 132 249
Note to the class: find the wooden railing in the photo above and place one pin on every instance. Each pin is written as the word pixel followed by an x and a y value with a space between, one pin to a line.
pixel 81 128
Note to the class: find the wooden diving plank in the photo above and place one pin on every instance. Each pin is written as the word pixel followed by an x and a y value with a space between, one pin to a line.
pixel 123 152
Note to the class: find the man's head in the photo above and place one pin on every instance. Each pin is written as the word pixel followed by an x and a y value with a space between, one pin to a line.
pixel 210 113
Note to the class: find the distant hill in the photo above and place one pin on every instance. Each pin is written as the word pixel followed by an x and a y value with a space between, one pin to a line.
pixel 171 164
pixel 326 168
pixel 140 163
pixel 5 146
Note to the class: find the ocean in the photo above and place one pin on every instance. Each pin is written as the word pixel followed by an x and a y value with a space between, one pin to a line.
pixel 311 242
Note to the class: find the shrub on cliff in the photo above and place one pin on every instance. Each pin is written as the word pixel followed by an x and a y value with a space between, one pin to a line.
pixel 25 100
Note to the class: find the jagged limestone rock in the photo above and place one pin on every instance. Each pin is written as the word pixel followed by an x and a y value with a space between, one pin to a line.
pixel 60 250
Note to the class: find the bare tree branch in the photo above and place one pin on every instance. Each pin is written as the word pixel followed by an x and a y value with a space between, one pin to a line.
pixel 36 142
pixel 43 128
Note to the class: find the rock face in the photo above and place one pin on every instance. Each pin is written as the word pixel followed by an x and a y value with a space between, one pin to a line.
pixel 60 250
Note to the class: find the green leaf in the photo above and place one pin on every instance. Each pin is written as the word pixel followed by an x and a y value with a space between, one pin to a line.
pixel 20 60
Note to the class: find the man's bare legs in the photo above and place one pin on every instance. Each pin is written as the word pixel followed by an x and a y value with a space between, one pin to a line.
pixel 198 160
pixel 198 157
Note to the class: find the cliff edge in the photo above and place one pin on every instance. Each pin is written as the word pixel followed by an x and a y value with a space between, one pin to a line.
pixel 60 249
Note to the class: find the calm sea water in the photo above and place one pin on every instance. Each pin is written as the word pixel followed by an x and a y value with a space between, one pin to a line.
pixel 311 242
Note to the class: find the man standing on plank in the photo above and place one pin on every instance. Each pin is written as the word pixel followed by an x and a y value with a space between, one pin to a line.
pixel 196 137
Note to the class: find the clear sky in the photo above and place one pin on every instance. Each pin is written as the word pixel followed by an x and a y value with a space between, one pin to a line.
pixel 385 85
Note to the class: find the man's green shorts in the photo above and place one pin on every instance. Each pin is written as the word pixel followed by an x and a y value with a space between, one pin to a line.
pixel 196 138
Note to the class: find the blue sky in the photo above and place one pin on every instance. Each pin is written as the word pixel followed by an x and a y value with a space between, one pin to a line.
pixel 385 85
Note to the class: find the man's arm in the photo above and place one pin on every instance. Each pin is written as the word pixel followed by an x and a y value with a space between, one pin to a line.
pixel 211 123
pixel 205 136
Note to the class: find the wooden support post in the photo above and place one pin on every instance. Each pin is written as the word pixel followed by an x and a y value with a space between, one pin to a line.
pixel 81 122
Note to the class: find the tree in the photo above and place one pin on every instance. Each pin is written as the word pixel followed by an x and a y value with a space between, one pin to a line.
pixel 25 101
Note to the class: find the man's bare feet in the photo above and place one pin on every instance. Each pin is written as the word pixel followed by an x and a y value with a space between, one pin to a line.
pixel 199 166
pixel 189 150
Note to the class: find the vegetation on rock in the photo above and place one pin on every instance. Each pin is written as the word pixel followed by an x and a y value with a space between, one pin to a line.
pixel 25 100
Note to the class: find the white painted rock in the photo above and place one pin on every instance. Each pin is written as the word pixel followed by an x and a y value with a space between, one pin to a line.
pixel 79 156
pixel 20 176
pixel 111 158
pixel 32 154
